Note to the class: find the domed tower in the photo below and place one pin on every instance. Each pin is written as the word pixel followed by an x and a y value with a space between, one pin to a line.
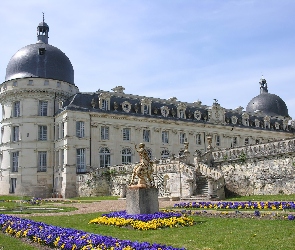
pixel 268 104
pixel 38 78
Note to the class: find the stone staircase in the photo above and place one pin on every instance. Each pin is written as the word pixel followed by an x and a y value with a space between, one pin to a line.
pixel 202 185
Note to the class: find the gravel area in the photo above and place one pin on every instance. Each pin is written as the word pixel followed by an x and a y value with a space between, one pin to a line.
pixel 99 206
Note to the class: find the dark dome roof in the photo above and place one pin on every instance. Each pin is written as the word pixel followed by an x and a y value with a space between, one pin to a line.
pixel 40 60
pixel 268 104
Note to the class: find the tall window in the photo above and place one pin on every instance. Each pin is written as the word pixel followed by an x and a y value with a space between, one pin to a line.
pixel 62 130
pixel 165 154
pixel 217 140
pixel 146 135
pixel 81 160
pixel 16 109
pixel 80 129
pixel 104 157
pixel 198 139
pixel 104 104
pixel 182 138
pixel 126 156
pixel 42 134
pixel 43 108
pixel 42 161
pixel 104 133
pixel 165 136
pixel 12 185
pixel 62 154
pixel 235 141
pixel 15 161
pixel 15 133
pixel 126 134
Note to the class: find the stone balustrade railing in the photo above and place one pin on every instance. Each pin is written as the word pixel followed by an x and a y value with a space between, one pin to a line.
pixel 209 172
pixel 255 151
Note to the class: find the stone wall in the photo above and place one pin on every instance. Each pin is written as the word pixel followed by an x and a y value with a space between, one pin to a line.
pixel 273 175
pixel 259 169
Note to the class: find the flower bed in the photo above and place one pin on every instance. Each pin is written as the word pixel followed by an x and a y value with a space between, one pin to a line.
pixel 144 221
pixel 69 239
pixel 274 205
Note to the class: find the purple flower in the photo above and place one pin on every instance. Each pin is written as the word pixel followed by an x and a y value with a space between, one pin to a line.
pixel 54 236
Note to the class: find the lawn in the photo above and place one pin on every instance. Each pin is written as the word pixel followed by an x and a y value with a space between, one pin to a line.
pixel 206 234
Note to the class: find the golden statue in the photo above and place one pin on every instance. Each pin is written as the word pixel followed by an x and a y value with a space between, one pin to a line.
pixel 144 170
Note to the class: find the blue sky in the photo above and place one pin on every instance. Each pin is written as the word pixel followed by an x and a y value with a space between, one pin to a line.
pixel 190 49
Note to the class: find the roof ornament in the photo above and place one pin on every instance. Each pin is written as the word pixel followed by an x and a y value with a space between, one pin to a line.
pixel 263 85
pixel 43 17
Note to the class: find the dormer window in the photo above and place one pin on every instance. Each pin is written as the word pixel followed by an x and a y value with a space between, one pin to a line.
pixel 126 106
pixel 234 120
pixel 30 82
pixel 181 111
pixel 145 109
pixel 58 84
pixel 165 111
pixel 41 51
pixel 104 101
pixel 104 104
pixel 146 106
pixel 14 84
pixel 197 115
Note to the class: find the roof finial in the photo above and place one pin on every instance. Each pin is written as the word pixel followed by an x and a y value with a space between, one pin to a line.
pixel 263 85
pixel 43 17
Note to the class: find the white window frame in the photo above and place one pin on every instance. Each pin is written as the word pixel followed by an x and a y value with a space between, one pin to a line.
pixel 104 132
pixel 104 104
pixel 146 109
pixel 80 160
pixel 165 137
pixel 80 129
pixel 146 135
pixel 126 156
pixel 126 134
pixel 42 133
pixel 42 161
pixel 104 157
pixel 182 137
pixel 43 108
pixel 15 161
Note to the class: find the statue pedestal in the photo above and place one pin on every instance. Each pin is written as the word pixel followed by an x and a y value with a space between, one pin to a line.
pixel 142 200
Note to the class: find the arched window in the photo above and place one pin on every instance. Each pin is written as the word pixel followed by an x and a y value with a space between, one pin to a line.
pixel 104 157
pixel 165 154
pixel 126 156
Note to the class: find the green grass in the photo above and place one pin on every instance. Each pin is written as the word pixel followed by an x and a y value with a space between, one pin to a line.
pixel 208 233
pixel 7 242
pixel 12 197
pixel 279 197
